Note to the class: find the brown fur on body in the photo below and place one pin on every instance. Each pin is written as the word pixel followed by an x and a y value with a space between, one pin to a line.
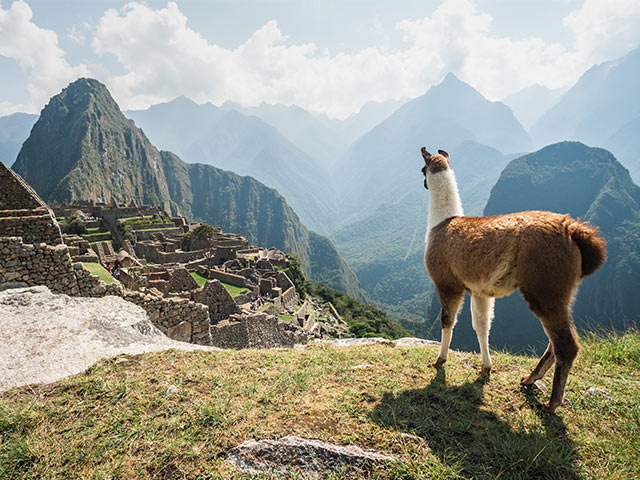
pixel 543 254
pixel 532 250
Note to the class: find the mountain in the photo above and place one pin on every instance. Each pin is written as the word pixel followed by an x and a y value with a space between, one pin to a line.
pixel 386 248
pixel 359 123
pixel 14 129
pixel 587 183
pixel 529 104
pixel 603 101
pixel 246 145
pixel 300 127
pixel 83 147
pixel 381 164
pixel 383 202
pixel 625 144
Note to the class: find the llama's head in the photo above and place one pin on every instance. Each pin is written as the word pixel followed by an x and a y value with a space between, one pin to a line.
pixel 433 164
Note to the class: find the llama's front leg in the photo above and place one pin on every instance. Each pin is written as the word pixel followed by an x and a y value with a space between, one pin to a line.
pixel 481 316
pixel 450 305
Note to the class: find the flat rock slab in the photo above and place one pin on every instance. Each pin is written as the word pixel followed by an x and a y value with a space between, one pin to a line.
pixel 45 337
pixel 311 458
pixel 401 342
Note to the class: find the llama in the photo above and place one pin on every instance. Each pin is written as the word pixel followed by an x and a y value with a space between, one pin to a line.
pixel 546 255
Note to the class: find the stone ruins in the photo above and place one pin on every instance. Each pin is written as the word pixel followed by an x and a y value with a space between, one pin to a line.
pixel 212 289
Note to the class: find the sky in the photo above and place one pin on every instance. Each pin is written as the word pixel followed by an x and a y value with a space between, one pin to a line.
pixel 329 56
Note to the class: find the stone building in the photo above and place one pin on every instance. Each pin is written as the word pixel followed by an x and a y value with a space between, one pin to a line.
pixel 221 304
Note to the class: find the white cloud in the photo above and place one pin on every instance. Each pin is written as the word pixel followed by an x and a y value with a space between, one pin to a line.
pixel 37 52
pixel 605 30
pixel 162 57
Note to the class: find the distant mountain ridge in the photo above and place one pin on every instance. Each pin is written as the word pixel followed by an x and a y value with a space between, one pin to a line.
pixel 602 109
pixel 14 129
pixel 82 147
pixel 587 183
pixel 227 138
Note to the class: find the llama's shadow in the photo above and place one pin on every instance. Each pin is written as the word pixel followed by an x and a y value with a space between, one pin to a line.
pixel 459 431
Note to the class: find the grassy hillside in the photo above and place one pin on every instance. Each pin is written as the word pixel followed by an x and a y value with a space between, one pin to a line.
pixel 117 421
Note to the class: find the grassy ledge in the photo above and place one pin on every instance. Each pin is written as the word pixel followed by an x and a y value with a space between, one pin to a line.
pixel 117 421
pixel 100 271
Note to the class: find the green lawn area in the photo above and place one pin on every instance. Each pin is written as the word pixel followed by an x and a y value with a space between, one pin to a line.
pixel 200 280
pixel 93 234
pixel 99 270
pixel 98 241
pixel 117 420
pixel 232 289
pixel 99 229
pixel 285 318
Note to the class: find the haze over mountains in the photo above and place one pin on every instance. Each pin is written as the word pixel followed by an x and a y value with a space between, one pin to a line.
pixel 358 180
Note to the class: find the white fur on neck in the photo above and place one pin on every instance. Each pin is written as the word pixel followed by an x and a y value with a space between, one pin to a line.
pixel 444 199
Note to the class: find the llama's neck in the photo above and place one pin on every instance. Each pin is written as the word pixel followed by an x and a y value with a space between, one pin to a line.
pixel 444 199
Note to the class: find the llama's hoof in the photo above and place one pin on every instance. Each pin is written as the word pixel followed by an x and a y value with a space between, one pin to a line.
pixel 486 371
pixel 438 363
pixel 551 407
pixel 528 380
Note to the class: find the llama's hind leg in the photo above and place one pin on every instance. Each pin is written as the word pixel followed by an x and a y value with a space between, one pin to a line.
pixel 544 364
pixel 481 316
pixel 565 350
pixel 451 300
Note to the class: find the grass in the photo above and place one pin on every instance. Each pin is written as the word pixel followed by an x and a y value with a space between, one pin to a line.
pixel 93 234
pixel 284 317
pixel 265 306
pixel 200 280
pixel 99 270
pixel 232 289
pixel 99 241
pixel 117 421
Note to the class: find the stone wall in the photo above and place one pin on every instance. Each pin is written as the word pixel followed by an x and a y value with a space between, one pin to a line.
pixel 152 254
pixel 179 318
pixel 180 281
pixel 229 278
pixel 34 227
pixel 254 331
pixel 289 298
pixel 49 265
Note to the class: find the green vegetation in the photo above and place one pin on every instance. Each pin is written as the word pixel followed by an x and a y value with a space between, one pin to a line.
pixel 117 421
pixel 143 220
pixel 202 232
pixel 200 280
pixel 232 289
pixel 74 224
pixel 284 317
pixel 363 320
pixel 99 270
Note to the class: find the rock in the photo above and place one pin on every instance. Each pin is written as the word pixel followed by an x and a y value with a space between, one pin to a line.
pixel 597 391
pixel 361 366
pixel 181 332
pixel 309 457
pixel 172 390
pixel 540 385
pixel 414 342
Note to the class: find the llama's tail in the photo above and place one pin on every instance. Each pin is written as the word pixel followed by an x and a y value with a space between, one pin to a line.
pixel 591 245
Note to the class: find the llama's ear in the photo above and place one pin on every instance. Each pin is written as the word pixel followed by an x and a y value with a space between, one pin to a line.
pixel 443 153
pixel 426 155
